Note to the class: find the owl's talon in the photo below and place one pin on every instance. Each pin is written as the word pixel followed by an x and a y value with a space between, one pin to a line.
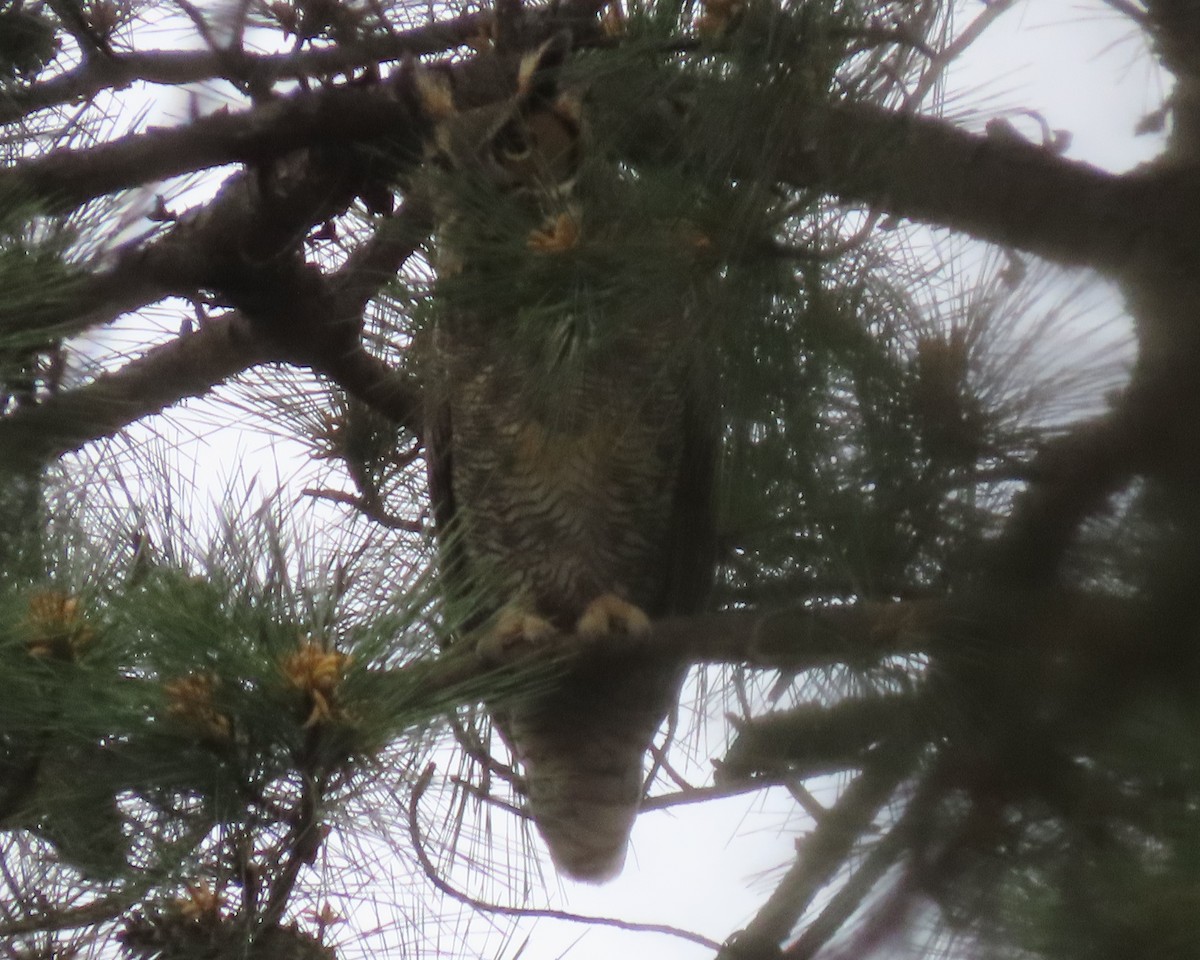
pixel 609 614
pixel 514 630
pixel 557 235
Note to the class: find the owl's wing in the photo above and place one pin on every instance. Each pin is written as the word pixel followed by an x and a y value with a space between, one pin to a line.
pixel 439 470
pixel 692 536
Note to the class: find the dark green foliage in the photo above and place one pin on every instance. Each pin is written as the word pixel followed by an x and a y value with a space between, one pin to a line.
pixel 27 41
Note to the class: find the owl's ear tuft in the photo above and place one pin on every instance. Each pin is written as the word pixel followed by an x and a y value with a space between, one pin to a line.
pixel 435 92
pixel 537 75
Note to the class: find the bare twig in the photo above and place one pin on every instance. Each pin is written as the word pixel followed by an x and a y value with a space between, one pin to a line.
pixel 368 507
pixel 660 763
pixel 691 795
pixel 485 796
pixel 941 60
pixel 431 873
pixel 483 906
pixel 803 796
pixel 474 748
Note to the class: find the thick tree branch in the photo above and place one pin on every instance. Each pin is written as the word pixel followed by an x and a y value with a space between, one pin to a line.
pixel 813 740
pixel 317 321
pixel 1096 629
pixel 820 855
pixel 1011 193
pixel 1174 28
pixel 66 178
pixel 843 904
pixel 1151 432
pixel 189 366
pixel 259 71
pixel 1142 228
pixel 340 115
pixel 1072 478
pixel 377 261
pixel 369 379
pixel 314 322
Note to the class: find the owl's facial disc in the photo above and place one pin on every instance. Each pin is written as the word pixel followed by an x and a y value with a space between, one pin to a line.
pixel 539 149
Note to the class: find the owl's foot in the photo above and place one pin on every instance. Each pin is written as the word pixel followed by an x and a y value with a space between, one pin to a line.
pixel 608 613
pixel 556 235
pixel 513 630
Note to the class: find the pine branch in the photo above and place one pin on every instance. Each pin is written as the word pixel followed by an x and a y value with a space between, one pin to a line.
pixel 1072 478
pixel 314 322
pixel 178 67
pixel 65 178
pixel 1016 194
pixel 258 71
pixel 1010 192
pixel 843 904
pixel 189 366
pixel 1097 629
pixel 300 848
pixel 813 740
pixel 69 918
pixel 819 856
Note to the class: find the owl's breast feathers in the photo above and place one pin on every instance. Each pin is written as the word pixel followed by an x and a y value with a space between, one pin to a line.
pixel 601 487
pixel 569 496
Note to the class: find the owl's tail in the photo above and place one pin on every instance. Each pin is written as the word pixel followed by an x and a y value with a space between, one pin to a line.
pixel 582 750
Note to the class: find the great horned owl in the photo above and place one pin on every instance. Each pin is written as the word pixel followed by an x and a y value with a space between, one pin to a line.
pixel 570 460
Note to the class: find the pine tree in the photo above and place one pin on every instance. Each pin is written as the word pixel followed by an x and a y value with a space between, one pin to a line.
pixel 957 563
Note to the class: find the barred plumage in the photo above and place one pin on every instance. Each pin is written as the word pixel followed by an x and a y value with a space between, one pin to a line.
pixel 572 470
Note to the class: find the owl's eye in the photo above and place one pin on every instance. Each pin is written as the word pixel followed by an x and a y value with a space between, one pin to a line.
pixel 511 144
